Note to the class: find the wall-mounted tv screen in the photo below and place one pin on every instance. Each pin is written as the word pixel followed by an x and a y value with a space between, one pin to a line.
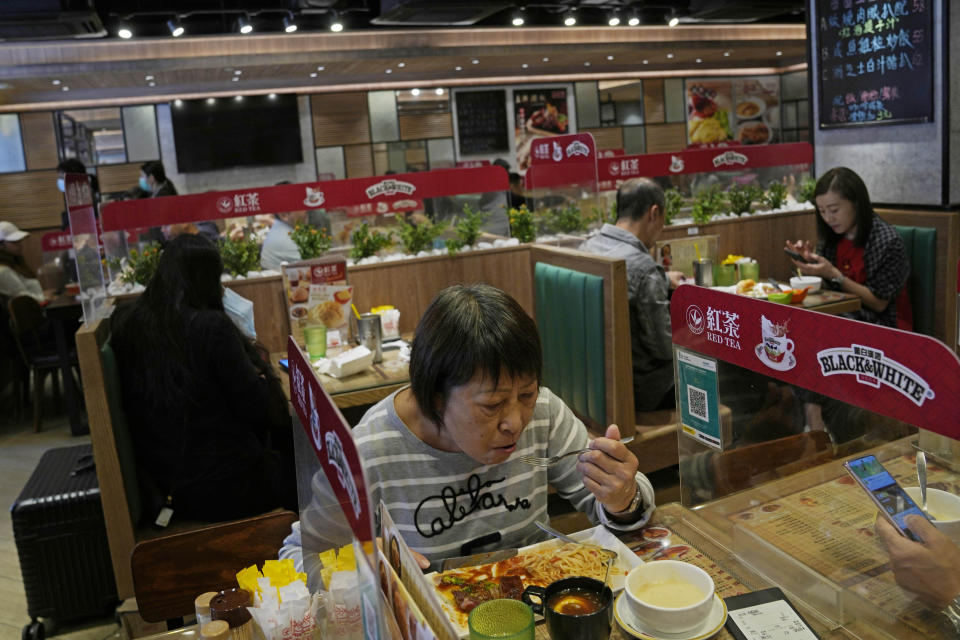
pixel 220 133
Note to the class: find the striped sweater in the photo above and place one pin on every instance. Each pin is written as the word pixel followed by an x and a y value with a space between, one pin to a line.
pixel 442 500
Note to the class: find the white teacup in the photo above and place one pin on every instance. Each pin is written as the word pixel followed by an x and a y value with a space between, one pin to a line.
pixel 776 347
pixel 943 506
pixel 658 581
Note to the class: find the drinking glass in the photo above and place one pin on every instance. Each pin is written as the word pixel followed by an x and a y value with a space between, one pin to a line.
pixel 316 339
pixel 502 619
pixel 724 275
pixel 750 271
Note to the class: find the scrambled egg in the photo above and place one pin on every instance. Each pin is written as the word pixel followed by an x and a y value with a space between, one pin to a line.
pixel 707 130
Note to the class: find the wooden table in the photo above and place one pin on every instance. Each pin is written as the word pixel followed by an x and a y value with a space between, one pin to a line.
pixel 832 302
pixel 367 387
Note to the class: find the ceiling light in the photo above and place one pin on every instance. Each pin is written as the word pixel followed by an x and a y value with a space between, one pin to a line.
pixel 272 96
pixel 401 65
pixel 670 55
pixel 474 61
pixel 389 71
pixel 321 68
pixel 211 100
pixel 609 57
pixel 633 21
pixel 55 82
pixel 289 24
pixel 148 78
pixel 779 53
pixel 699 60
pixel 243 24
pixel 438 91
pixel 544 59
pixel 65 88
pixel 238 72
pixel 176 29
pixel 524 65
pixel 587 63
pixel 314 74
pixel 178 102
pixel 414 92
pixel 151 84
pixel 238 98
pixel 672 19
pixel 614 19
pixel 336 25
pixel 124 30
pixel 569 19
pixel 458 68
pixel 646 62
pixel 517 19
pixel 726 54
pixel 235 78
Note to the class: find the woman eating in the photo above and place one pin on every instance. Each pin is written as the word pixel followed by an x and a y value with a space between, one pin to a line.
pixel 443 453
pixel 857 251
pixel 207 415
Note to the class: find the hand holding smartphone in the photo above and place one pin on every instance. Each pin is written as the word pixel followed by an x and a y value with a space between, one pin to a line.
pixel 796 256
pixel 889 497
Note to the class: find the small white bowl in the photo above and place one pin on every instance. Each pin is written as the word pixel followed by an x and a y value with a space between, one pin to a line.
pixel 669 619
pixel 941 504
pixel 814 282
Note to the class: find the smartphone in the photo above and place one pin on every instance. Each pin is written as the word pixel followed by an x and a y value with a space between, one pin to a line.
pixel 894 503
pixel 796 256
pixel 284 364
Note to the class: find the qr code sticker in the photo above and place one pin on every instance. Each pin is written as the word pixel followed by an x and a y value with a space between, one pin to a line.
pixel 697 402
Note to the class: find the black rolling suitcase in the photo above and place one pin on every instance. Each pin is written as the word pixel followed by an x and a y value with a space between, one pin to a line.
pixel 61 540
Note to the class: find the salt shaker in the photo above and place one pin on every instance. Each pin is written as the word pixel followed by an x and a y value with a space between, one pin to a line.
pixel 215 630
pixel 202 607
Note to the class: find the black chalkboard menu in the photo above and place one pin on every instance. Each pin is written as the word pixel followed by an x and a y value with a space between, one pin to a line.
pixel 875 61
pixel 482 121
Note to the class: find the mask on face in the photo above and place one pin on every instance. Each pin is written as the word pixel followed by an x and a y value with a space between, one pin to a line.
pixel 60 184
pixel 143 184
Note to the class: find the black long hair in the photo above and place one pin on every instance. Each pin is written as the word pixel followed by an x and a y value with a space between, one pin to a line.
pixel 149 336
pixel 848 185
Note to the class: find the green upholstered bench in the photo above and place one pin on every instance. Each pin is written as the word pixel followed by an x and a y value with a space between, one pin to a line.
pixel 921 243
pixel 570 319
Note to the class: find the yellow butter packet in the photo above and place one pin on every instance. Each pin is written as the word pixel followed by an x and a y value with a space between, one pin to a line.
pixel 247 580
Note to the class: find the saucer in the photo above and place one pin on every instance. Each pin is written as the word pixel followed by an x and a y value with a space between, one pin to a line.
pixel 788 362
pixel 710 625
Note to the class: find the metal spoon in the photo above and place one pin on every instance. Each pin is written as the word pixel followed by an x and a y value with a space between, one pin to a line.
pixel 922 477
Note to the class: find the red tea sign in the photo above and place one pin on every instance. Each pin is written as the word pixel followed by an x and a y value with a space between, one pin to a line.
pixel 562 160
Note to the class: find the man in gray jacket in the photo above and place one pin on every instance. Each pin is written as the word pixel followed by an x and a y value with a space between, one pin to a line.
pixel 640 219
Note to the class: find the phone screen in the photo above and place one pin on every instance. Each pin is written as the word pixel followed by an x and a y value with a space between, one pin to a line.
pixel 284 364
pixel 891 496
pixel 796 256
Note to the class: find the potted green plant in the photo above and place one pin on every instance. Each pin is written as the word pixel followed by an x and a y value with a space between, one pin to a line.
pixel 805 190
pixel 141 265
pixel 240 255
pixel 741 197
pixel 311 241
pixel 467 228
pixel 707 203
pixel 566 219
pixel 366 242
pixel 419 237
pixel 674 201
pixel 776 195
pixel 521 224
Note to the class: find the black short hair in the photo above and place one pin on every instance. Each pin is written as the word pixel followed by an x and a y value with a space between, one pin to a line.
pixel 71 165
pixel 465 330
pixel 848 185
pixel 636 196
pixel 154 168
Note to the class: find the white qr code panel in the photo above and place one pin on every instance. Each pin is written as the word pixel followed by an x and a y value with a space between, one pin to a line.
pixel 697 401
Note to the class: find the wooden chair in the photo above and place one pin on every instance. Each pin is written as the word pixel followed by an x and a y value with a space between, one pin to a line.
pixel 39 356
pixel 581 309
pixel 171 571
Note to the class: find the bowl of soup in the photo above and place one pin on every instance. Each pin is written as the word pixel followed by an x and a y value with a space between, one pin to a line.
pixel 669 596
pixel 943 506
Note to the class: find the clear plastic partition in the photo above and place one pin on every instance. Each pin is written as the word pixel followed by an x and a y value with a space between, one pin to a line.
pixel 561 190
pixel 81 211
pixel 772 401
pixel 59 259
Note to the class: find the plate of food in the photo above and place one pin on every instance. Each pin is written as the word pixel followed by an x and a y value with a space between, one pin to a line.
pixel 459 590
pixel 750 288
pixel 750 108
pixel 753 132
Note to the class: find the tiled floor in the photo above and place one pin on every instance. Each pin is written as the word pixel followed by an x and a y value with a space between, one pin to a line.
pixel 20 449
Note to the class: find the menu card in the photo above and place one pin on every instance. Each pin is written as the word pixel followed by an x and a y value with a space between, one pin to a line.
pixel 875 61
pixel 316 293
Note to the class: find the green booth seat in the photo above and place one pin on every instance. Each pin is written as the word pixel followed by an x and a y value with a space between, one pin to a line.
pixel 921 243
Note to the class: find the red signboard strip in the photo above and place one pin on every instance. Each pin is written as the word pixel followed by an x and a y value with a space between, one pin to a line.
pixel 56 241
pixel 907 376
pixel 562 160
pixel 329 435
pixel 394 192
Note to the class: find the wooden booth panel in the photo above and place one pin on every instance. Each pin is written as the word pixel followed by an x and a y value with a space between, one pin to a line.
pixel 662 138
pixel 426 125
pixel 359 160
pixel 30 200
pixel 39 140
pixel 118 177
pixel 607 137
pixel 340 119
pixel 653 111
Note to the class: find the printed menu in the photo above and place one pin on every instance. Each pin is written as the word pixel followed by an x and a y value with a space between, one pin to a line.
pixel 317 294
pixel 744 111
pixel 538 113
pixel 875 61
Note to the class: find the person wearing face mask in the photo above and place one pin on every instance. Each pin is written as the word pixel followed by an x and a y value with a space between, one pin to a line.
pixel 443 453
pixel 72 165
pixel 153 181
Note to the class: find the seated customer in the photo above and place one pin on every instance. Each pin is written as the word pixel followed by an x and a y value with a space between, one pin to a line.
pixel 278 246
pixel 640 219
pixel 16 278
pixel 443 453
pixel 207 415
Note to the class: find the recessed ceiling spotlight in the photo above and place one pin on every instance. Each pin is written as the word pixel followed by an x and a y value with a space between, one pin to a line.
pixel 569 19
pixel 289 23
pixel 609 57
pixel 314 74
pixel 699 60
pixel 672 19
pixel 670 55
pixel 517 19
pixel 55 82
pixel 148 78
pixel 65 88
pixel 779 53
pixel 587 63
pixel 175 28
pixel 235 78
pixel 243 24
pixel 388 71
pixel 321 68
pixel 544 59
pixel 151 84
pixel 524 65
pixel 458 68
pixel 238 72
pixel 238 98
pixel 336 24
pixel 614 19
pixel 726 54
pixel 211 100
pixel 474 61
pixel 438 91
pixel 633 20
pixel 646 62
pixel 125 30
pixel 272 96
pixel 414 92
pixel 178 102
